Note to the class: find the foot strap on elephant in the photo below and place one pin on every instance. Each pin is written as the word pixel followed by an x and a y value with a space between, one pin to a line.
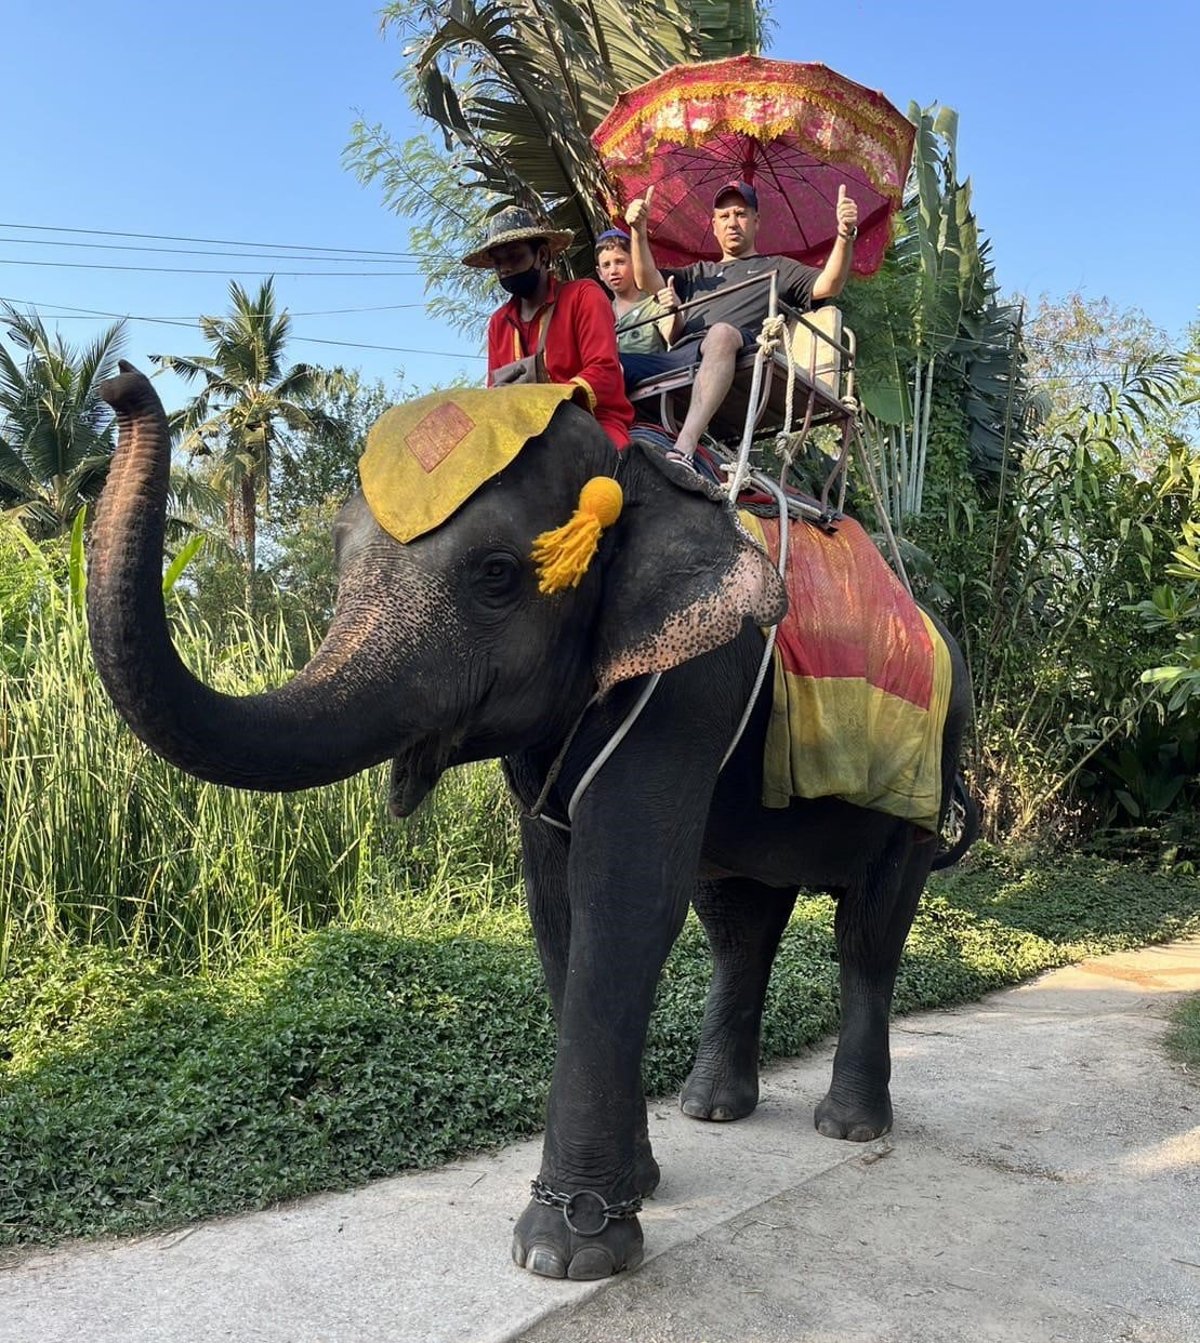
pixel 606 1212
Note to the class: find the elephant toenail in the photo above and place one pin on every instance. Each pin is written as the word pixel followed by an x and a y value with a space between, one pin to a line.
pixel 591 1263
pixel 693 1109
pixel 546 1262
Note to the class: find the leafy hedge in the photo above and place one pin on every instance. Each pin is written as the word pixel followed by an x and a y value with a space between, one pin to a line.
pixel 1183 1039
pixel 131 1097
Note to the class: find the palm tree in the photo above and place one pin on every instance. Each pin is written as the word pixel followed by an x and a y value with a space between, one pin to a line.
pixel 516 87
pixel 56 435
pixel 242 415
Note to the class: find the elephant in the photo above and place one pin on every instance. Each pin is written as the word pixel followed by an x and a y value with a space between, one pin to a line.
pixel 441 651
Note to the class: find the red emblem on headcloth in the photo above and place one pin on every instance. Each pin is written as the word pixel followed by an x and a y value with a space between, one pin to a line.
pixel 436 436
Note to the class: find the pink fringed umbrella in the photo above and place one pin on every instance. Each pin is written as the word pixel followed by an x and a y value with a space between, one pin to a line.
pixel 794 131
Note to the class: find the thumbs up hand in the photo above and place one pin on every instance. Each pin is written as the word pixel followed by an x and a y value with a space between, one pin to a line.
pixel 667 297
pixel 847 215
pixel 637 216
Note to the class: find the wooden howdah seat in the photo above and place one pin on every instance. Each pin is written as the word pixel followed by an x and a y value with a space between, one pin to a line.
pixel 823 351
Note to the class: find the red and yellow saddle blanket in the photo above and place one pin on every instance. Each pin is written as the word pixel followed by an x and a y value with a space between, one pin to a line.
pixel 862 680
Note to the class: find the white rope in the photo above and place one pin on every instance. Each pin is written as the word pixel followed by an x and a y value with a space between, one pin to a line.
pixel 611 745
pixel 789 399
pixel 783 439
pixel 774 330
pixel 768 338
pixel 784 536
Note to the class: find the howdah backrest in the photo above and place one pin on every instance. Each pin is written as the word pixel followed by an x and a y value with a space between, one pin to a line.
pixel 820 360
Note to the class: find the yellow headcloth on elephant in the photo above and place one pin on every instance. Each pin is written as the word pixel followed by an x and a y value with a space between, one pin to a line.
pixel 427 457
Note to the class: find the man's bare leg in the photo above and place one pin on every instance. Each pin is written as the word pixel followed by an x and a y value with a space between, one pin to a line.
pixel 718 355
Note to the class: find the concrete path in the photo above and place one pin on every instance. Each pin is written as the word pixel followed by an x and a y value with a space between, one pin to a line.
pixel 1043 1183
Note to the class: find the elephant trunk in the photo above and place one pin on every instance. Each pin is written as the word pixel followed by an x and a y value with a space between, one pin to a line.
pixel 322 726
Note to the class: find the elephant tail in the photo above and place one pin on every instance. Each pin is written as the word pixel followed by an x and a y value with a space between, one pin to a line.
pixel 961 828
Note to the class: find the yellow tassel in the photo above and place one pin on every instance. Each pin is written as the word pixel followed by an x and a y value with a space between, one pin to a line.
pixel 563 555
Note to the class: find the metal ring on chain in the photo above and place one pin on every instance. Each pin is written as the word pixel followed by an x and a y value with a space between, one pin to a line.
pixel 609 1212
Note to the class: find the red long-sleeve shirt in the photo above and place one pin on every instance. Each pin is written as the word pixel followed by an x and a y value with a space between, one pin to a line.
pixel 580 348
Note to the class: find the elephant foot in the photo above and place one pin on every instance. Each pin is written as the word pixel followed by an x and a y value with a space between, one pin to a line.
pixel 855 1121
pixel 590 1247
pixel 720 1093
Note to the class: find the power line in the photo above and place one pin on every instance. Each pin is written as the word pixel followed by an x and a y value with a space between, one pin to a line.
pixel 364 259
pixel 340 312
pixel 392 349
pixel 215 242
pixel 71 313
pixel 1098 374
pixel 363 255
pixel 1044 342
pixel 183 270
pixel 82 314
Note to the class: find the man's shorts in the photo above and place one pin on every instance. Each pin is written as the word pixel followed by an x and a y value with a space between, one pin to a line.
pixel 639 367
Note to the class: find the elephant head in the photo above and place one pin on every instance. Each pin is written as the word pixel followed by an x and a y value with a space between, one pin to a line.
pixel 442 649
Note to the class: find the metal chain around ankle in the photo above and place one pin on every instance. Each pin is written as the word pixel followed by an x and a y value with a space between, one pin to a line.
pixel 609 1212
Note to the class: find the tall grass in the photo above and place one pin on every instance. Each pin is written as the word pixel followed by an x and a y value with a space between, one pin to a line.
pixel 104 843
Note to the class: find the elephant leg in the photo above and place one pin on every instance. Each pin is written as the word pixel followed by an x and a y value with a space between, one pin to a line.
pixel 544 855
pixel 872 922
pixel 744 921
pixel 630 875
pixel 545 852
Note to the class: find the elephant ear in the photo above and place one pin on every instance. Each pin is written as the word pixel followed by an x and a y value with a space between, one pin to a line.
pixel 682 576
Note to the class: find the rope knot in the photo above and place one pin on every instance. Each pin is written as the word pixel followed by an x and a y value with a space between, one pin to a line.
pixel 772 333
pixel 563 555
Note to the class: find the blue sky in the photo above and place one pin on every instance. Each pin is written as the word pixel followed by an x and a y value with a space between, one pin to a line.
pixel 1077 125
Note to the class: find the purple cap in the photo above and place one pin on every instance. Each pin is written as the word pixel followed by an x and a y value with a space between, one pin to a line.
pixel 742 189
pixel 613 235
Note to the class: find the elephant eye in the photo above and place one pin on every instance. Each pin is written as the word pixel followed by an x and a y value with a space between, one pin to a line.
pixel 497 574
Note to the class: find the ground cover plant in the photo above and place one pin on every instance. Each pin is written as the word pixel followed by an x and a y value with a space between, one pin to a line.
pixel 135 1096
pixel 1183 1039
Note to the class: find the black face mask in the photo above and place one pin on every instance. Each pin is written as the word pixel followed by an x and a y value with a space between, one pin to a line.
pixel 524 284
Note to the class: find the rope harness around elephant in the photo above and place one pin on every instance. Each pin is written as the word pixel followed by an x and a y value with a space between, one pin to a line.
pixel 537 810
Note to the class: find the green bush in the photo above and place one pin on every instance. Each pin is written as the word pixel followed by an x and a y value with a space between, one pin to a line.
pixel 132 1096
pixel 1184 1037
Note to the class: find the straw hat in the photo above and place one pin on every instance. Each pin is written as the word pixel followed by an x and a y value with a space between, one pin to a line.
pixel 517 225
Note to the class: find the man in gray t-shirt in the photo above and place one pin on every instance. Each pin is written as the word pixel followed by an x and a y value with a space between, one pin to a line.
pixel 707 282
pixel 722 324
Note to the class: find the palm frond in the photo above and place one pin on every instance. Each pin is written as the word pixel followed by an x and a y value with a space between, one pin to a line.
pixel 516 88
pixel 98 362
pixel 187 367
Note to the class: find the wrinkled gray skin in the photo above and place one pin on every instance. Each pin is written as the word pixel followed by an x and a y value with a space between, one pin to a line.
pixel 442 651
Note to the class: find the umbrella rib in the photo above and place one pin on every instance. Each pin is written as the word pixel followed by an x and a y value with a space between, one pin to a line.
pixel 801 178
